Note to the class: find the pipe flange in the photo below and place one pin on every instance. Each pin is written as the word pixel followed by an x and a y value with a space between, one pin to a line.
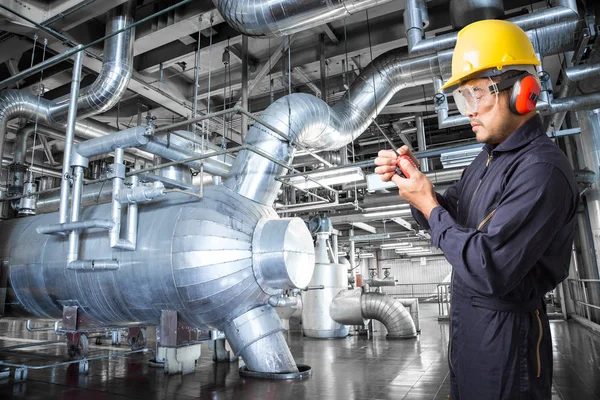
pixel 304 371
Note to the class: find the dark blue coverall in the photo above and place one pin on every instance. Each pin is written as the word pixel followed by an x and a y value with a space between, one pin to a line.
pixel 507 229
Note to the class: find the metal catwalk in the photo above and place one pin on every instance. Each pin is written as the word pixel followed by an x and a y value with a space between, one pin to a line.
pixel 349 369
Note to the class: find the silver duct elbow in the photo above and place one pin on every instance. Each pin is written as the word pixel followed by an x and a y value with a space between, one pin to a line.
pixel 352 307
pixel 284 17
pixel 102 95
pixel 391 313
pixel 114 76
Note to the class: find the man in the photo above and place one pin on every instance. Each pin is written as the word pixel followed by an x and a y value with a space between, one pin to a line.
pixel 506 227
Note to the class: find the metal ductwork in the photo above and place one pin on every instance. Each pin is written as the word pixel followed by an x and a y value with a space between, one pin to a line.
pixel 564 11
pixel 268 18
pixel 227 256
pixel 464 12
pixel 333 277
pixel 353 307
pixel 99 97
pixel 311 122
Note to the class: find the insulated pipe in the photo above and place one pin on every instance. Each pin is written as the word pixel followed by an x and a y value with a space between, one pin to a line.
pixel 160 147
pixel 99 97
pixel 279 18
pixel 311 122
pixel 69 137
pixel 352 307
pixel 565 11
pixel 568 87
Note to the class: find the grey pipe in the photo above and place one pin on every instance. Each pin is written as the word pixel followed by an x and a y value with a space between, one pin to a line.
pixel 99 97
pixel 268 18
pixel 75 226
pixel 98 193
pixel 568 87
pixel 66 167
pixel 311 122
pixel 565 11
pixel 352 307
pixel 133 137
pixel 73 253
pixel 160 147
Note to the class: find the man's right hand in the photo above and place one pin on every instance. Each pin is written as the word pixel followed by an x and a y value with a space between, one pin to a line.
pixel 387 162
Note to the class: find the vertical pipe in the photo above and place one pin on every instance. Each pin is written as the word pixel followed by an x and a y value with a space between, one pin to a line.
pixel 422 143
pixel 244 130
pixel 352 254
pixel 73 254
pixel 70 134
pixel 117 183
pixel 196 79
pixel 590 140
pixel 323 67
pixel 334 245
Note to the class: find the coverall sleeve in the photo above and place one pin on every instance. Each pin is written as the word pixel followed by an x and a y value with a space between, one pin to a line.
pixel 449 201
pixel 534 206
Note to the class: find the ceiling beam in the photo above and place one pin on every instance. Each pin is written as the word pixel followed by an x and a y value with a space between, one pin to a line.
pixel 364 226
pixel 330 34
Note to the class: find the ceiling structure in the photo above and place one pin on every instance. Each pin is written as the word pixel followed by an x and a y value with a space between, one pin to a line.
pixel 322 61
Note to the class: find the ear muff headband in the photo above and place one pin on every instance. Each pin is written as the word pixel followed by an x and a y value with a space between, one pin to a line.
pixel 524 96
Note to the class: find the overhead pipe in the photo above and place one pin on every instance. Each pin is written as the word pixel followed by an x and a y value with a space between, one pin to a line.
pixel 464 12
pixel 565 11
pixel 99 97
pixel 268 18
pixel 353 307
pixel 571 76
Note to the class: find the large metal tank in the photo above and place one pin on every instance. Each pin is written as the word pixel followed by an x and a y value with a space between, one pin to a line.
pixel 316 321
pixel 213 260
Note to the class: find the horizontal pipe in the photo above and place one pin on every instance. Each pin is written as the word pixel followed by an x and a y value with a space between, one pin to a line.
pixel 94 265
pixel 133 137
pixel 75 226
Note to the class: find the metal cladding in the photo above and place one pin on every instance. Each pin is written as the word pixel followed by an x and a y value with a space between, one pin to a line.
pixel 309 121
pixel 463 12
pixel 101 96
pixel 268 18
pixel 352 307
pixel 316 321
pixel 194 256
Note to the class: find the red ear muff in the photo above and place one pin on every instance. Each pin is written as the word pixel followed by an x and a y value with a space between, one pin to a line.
pixel 524 96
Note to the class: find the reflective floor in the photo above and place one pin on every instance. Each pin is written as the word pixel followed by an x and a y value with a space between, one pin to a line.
pixel 351 368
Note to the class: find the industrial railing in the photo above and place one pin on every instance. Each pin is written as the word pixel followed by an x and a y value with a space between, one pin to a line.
pixel 580 289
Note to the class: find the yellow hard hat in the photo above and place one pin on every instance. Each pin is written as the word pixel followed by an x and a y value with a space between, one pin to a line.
pixel 489 45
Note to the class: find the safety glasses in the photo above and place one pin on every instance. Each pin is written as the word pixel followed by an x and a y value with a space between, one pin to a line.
pixel 470 98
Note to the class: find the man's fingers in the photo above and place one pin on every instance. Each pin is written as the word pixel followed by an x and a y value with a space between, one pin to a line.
pixel 385 169
pixel 386 154
pixel 387 176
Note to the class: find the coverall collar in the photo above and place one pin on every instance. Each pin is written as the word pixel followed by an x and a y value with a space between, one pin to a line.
pixel 520 137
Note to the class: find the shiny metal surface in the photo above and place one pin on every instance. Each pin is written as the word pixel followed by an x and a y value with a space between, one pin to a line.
pixel 564 11
pixel 309 121
pixel 134 137
pixel 207 276
pixel 464 12
pixel 114 76
pixel 283 254
pixel 590 149
pixel 316 321
pixel 268 18
pixel 352 307
pixel 257 336
pixel 98 97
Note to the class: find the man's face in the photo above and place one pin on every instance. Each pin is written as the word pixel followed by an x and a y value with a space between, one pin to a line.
pixel 490 115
